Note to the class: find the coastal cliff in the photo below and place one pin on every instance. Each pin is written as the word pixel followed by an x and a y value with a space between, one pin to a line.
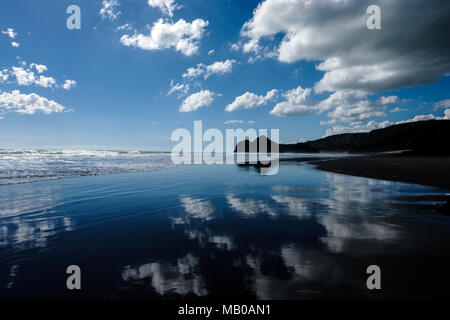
pixel 421 138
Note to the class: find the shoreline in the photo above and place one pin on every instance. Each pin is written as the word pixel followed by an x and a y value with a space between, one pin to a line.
pixel 428 171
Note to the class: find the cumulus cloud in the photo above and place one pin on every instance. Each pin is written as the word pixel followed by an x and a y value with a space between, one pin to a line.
pixel 108 10
pixel 369 126
pixel 353 57
pixel 218 68
pixel 197 100
pixel 182 35
pixel 194 72
pixel 23 77
pixel 354 107
pixel 234 47
pixel 15 44
pixel 166 6
pixel 10 33
pixel 26 77
pixel 40 68
pixel 69 84
pixel 45 82
pixel 28 103
pixel 295 103
pixel 350 106
pixel 250 100
pixel 32 75
pixel 441 104
pixel 210 52
pixel 373 125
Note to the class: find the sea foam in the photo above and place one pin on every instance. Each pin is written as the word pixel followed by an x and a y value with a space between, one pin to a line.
pixel 22 166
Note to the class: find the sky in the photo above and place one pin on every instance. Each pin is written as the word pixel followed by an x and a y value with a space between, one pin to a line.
pixel 138 69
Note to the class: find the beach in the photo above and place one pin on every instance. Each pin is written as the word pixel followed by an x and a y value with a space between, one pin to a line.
pixel 430 171
pixel 221 232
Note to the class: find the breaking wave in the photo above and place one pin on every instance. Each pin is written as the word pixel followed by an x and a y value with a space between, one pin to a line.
pixel 22 166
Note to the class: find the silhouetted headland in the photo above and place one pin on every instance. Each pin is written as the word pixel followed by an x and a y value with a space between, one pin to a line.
pixel 417 152
pixel 415 138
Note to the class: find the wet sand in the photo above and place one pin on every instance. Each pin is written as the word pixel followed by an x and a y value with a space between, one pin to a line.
pixel 430 171
pixel 219 233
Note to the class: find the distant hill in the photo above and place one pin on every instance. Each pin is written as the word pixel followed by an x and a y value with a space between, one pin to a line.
pixel 423 137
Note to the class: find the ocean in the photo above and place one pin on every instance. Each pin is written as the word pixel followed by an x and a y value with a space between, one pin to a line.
pixel 140 227
pixel 21 166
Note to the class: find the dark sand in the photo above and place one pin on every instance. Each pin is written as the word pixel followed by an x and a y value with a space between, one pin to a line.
pixel 430 171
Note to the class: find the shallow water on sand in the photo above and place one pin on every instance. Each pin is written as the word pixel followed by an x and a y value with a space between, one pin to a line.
pixel 221 231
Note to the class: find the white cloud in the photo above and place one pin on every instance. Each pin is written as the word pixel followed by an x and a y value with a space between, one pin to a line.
pixel 372 125
pixel 350 106
pixel 384 101
pixel 218 67
pixel 15 44
pixel 166 6
pixel 250 100
pixel 23 77
pixel 353 57
pixel 197 100
pixel 10 33
pixel 178 87
pixel 295 104
pixel 369 126
pixel 40 68
pixel 26 77
pixel 194 72
pixel 424 117
pixel 234 47
pixel 251 46
pixel 108 11
pixel 182 35
pixel 354 107
pixel 28 103
pixel 45 82
pixel 4 75
pixel 69 84
pixel 210 52
pixel 441 104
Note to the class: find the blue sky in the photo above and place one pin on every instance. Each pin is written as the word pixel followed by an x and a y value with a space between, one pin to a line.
pixel 304 70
